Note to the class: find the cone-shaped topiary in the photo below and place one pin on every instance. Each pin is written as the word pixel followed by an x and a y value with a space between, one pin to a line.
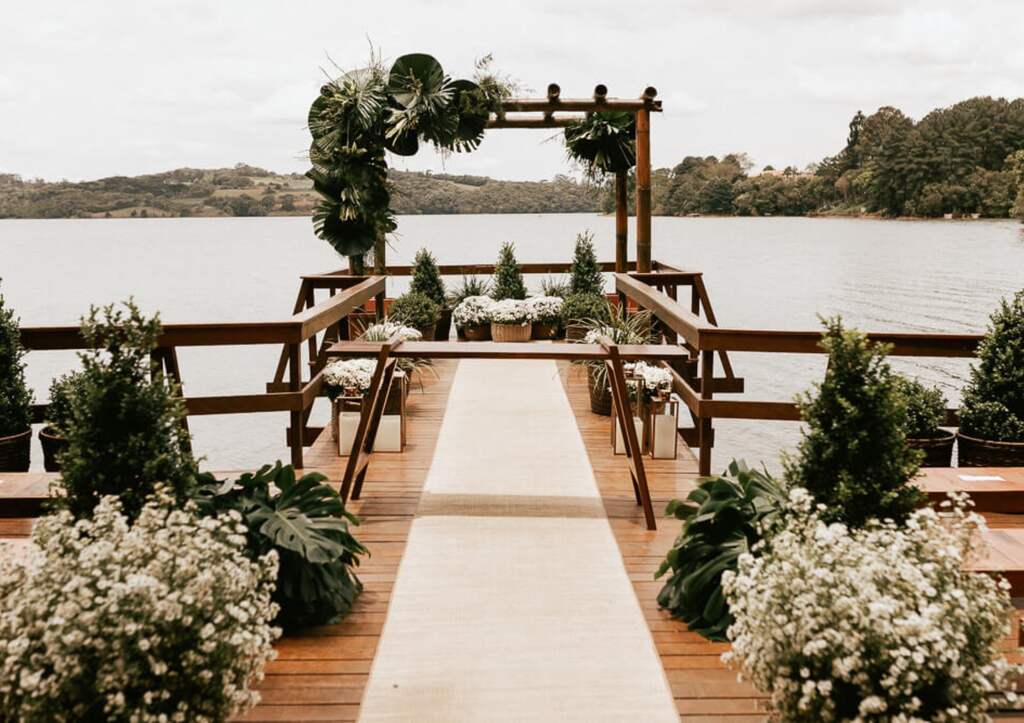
pixel 993 400
pixel 426 278
pixel 15 397
pixel 585 273
pixel 508 279
pixel 854 456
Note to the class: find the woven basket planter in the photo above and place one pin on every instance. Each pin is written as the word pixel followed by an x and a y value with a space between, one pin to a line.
pixel 15 451
pixel 600 394
pixel 938 450
pixel 511 332
pixel 974 452
pixel 478 332
pixel 52 446
pixel 547 330
pixel 575 332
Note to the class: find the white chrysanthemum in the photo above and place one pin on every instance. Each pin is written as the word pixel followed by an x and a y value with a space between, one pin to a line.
pixel 473 311
pixel 510 311
pixel 349 374
pixel 544 309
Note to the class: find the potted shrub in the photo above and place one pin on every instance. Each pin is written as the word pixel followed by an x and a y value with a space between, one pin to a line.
pixel 854 457
pixel 508 278
pixel 635 329
pixel 470 286
pixel 577 308
pixel 926 411
pixel 545 316
pixel 992 413
pixel 585 273
pixel 426 280
pixel 418 311
pixel 15 397
pixel 473 318
pixel 58 414
pixel 510 320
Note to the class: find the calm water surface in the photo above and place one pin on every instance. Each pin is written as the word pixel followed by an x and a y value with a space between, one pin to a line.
pixel 779 273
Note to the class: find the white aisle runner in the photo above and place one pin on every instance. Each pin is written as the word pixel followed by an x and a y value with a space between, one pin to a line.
pixel 512 602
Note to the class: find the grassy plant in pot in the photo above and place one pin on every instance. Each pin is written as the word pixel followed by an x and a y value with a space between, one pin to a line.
pixel 992 413
pixel 578 308
pixel 635 329
pixel 510 321
pixel 473 318
pixel 926 411
pixel 470 286
pixel 545 316
pixel 426 280
pixel 58 416
pixel 508 278
pixel 854 457
pixel 15 397
pixel 418 311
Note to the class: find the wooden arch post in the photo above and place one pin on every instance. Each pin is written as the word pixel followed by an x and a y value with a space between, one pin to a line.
pixel 621 222
pixel 643 184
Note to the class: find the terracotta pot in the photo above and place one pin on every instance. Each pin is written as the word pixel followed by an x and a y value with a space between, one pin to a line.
pixel 545 331
pixel 15 451
pixel 480 332
pixel 444 326
pixel 974 452
pixel 575 332
pixel 938 450
pixel 52 445
pixel 600 394
pixel 511 332
pixel 427 331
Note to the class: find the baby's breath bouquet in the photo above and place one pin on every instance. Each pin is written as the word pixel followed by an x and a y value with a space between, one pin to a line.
pixel 544 309
pixel 349 377
pixel 162 619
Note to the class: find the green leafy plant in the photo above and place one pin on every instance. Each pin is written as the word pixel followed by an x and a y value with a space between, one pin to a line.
pixel 993 400
pixel 415 310
pixel 63 390
pixel 585 274
pixel 305 521
pixel 854 456
pixel 723 517
pixel 617 327
pixel 603 142
pixel 426 278
pixel 469 286
pixel 508 278
pixel 926 408
pixel 555 286
pixel 124 430
pixel 15 396
pixel 579 307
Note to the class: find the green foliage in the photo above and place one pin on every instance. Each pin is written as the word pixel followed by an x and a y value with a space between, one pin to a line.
pixel 603 142
pixel 578 307
pixel 619 327
pixel 508 279
pixel 993 400
pixel 306 522
pixel 15 396
pixel 585 273
pixel 124 431
pixel 723 519
pixel 426 278
pixel 926 408
pixel 470 286
pixel 854 456
pixel 415 310
pixel 63 390
pixel 555 286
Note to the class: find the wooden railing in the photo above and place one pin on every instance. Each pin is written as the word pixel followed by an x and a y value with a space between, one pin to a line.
pixel 696 383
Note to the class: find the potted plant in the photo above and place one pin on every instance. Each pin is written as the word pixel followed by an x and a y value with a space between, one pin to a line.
pixel 418 311
pixel 578 308
pixel 426 280
pixel 992 413
pixel 473 318
pixel 585 275
pixel 854 457
pixel 545 316
pixel 346 380
pixel 635 329
pixel 508 278
pixel 470 286
pixel 926 411
pixel 510 320
pixel 58 416
pixel 555 286
pixel 15 397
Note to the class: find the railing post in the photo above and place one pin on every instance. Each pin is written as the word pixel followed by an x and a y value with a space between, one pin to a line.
pixel 295 385
pixel 707 386
pixel 621 223
pixel 643 191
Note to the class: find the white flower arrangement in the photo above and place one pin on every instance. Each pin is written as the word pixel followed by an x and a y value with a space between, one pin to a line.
pixel 594 335
pixel 166 618
pixel 544 309
pixel 473 311
pixel 349 375
pixel 385 330
pixel 510 311
pixel 879 624
pixel 655 378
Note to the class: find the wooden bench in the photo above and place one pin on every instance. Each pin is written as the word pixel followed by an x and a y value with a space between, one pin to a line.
pixel 993 489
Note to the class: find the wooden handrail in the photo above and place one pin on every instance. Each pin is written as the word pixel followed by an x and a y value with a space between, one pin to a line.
pixel 669 312
pixel 509 350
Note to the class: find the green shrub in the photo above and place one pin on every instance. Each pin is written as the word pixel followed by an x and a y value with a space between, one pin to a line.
pixel 578 307
pixel 15 396
pixel 415 310
pixel 470 286
pixel 854 456
pixel 722 520
pixel 993 400
pixel 62 390
pixel 585 274
pixel 426 278
pixel 124 429
pixel 926 408
pixel 553 286
pixel 305 521
pixel 508 279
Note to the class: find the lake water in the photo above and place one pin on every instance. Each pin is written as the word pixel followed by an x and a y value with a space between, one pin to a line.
pixel 940 276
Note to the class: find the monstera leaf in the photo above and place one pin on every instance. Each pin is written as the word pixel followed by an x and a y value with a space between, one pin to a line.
pixel 422 96
pixel 721 516
pixel 604 142
pixel 473 114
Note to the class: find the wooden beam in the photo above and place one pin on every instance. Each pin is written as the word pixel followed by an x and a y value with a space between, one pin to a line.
pixel 808 342
pixel 547 121
pixel 509 350
pixel 621 222
pixel 586 105
pixel 668 311
pixel 643 191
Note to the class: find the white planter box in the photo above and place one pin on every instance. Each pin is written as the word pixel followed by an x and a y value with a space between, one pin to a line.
pixel 348 423
pixel 620 442
pixel 389 433
pixel 663 436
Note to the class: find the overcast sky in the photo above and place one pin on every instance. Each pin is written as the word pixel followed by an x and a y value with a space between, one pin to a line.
pixel 111 87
